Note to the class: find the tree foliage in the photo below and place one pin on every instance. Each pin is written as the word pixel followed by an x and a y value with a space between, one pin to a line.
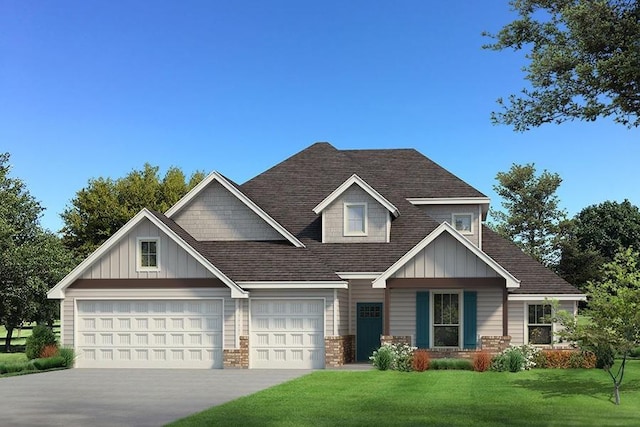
pixel 614 312
pixel 595 236
pixel 583 61
pixel 32 260
pixel 531 217
pixel 105 205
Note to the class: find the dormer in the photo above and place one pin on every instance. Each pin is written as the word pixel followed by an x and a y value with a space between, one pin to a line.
pixel 356 213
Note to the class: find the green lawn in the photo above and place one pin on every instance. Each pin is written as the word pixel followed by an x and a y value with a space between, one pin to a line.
pixel 12 357
pixel 543 397
pixel 19 337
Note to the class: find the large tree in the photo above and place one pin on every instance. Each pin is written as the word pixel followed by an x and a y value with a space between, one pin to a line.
pixel 614 312
pixel 105 205
pixel 595 236
pixel 32 260
pixel 583 61
pixel 531 216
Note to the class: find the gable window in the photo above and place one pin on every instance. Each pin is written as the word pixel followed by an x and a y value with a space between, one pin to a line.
pixel 355 219
pixel 463 223
pixel 149 254
pixel 446 319
pixel 539 324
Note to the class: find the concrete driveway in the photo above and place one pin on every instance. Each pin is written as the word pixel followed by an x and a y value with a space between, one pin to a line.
pixel 125 397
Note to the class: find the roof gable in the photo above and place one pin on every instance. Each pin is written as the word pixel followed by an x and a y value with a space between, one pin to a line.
pixel 356 180
pixel 217 177
pixel 57 292
pixel 445 227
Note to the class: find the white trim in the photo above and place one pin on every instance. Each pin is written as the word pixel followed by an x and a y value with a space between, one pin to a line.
pixel 215 176
pixel 57 292
pixel 432 310
pixel 236 338
pixel 525 334
pixel 542 297
pixel 381 281
pixel 345 216
pixel 461 214
pixel 335 312
pixel 388 228
pixel 364 275
pixel 355 179
pixel 480 227
pixel 482 201
pixel 327 284
pixel 62 344
pixel 139 267
pixel 324 228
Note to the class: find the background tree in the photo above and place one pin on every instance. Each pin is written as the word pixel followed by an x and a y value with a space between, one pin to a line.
pixel 584 61
pixel 32 260
pixel 105 205
pixel 531 217
pixel 595 236
pixel 614 311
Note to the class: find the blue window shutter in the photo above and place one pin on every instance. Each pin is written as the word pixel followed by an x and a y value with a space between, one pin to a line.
pixel 470 319
pixel 422 319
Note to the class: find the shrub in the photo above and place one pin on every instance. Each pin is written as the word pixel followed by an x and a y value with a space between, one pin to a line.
pixel 481 361
pixel 68 355
pixel 49 363
pixel 515 359
pixel 382 358
pixel 49 350
pixel 451 364
pixel 10 368
pixel 540 359
pixel 563 359
pixel 635 352
pixel 41 336
pixel 421 360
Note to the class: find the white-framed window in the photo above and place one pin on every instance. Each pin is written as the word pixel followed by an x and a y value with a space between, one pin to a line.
pixel 148 254
pixel 539 324
pixel 446 324
pixel 463 222
pixel 355 219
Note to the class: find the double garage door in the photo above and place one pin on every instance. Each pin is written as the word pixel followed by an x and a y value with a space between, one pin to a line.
pixel 149 334
pixel 284 334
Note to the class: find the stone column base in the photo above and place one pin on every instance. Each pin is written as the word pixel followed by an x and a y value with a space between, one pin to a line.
pixel 339 350
pixel 237 357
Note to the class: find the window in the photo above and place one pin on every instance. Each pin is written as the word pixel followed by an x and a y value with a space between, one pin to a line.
pixel 463 223
pixel 148 254
pixel 446 320
pixel 355 219
pixel 539 324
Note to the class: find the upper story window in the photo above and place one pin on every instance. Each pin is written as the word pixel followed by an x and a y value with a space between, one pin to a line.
pixel 149 254
pixel 539 324
pixel 355 219
pixel 463 223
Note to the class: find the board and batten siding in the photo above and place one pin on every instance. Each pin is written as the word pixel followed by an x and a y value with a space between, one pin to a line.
pixel 120 262
pixel 403 311
pixel 445 257
pixel 216 214
pixel 333 218
pixel 68 306
pixel 444 213
pixel 327 294
pixel 361 291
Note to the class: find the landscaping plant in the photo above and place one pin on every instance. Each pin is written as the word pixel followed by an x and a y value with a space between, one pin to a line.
pixel 481 361
pixel 449 364
pixel 41 336
pixel 398 357
pixel 421 360
pixel 515 359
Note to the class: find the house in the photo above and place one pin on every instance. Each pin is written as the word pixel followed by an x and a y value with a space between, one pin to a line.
pixel 308 265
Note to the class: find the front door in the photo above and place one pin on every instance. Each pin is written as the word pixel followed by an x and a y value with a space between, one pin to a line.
pixel 369 329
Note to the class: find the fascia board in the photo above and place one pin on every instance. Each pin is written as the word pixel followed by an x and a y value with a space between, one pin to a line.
pixel 542 297
pixel 355 179
pixel 364 275
pixel 294 285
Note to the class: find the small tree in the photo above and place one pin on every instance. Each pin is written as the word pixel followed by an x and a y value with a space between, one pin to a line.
pixel 614 309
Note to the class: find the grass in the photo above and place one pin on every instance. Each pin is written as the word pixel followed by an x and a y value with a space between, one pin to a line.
pixel 19 338
pixel 543 397
pixel 12 358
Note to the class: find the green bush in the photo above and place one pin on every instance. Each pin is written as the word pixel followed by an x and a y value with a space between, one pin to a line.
pixel 516 359
pixel 68 355
pixel 451 364
pixel 635 352
pixel 49 363
pixel 382 358
pixel 41 336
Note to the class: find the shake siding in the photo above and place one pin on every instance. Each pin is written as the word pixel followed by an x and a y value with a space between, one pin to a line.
pixel 343 310
pixel 150 294
pixel 121 261
pixel 327 294
pixel 445 257
pixel 216 214
pixel 334 218
pixel 444 213
pixel 516 322
pixel 403 313
pixel 361 291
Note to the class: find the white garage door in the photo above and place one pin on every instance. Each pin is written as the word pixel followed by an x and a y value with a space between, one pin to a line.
pixel 287 334
pixel 149 334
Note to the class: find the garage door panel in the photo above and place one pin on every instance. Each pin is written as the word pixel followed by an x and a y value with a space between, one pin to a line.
pixel 150 334
pixel 287 334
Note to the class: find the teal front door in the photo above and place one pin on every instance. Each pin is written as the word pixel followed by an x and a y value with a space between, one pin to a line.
pixel 368 329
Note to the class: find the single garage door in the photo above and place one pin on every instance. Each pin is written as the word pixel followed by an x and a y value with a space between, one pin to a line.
pixel 287 334
pixel 149 334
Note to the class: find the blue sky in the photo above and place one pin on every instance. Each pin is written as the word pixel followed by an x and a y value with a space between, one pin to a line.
pixel 90 89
